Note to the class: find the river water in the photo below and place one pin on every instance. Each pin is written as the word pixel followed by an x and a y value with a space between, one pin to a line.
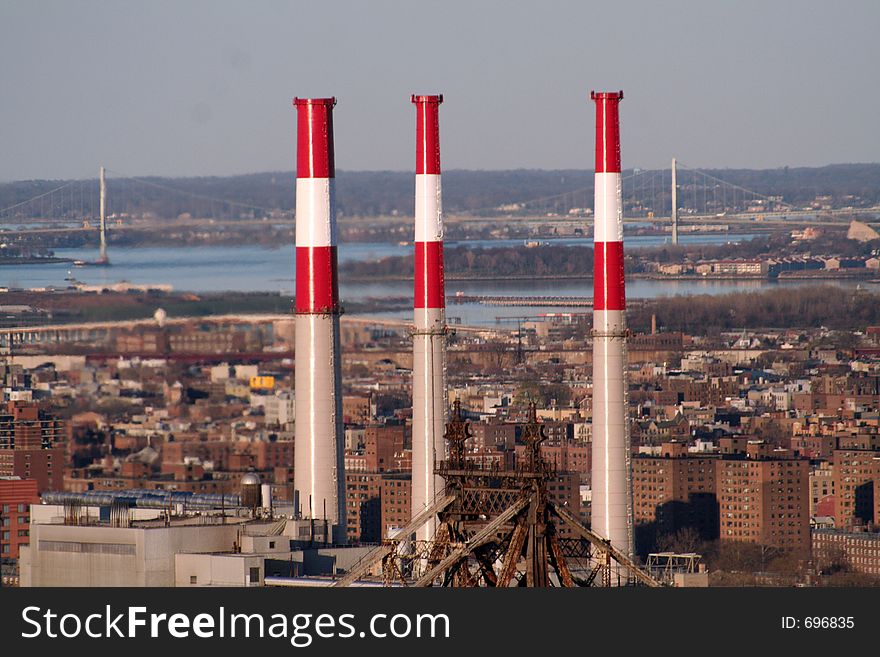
pixel 255 268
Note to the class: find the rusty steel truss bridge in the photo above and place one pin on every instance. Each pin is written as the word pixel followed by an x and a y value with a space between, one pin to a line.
pixel 498 527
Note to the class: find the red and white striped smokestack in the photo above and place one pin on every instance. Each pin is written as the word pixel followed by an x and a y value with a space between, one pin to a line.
pixel 612 487
pixel 429 334
pixel 318 470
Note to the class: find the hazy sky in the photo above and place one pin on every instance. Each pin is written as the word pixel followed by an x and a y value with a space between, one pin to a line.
pixel 199 88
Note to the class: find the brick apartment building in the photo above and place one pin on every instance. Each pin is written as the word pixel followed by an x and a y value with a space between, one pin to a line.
pixel 32 445
pixel 823 498
pixel 363 504
pixel 492 435
pixel 378 484
pixel 381 444
pixel 376 503
pixel 763 498
pixel 854 474
pixel 857 551
pixel 568 457
pixel 564 491
pixel 356 409
pixel 16 497
pixel 395 490
pixel 749 491
pixel 673 491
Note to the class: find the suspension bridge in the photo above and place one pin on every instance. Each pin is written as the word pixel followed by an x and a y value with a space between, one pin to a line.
pixel 75 204
pixel 678 198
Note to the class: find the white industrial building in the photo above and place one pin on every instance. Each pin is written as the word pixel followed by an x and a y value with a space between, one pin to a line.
pixel 153 547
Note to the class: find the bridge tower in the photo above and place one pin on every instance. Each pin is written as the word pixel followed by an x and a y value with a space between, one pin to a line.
pixel 102 258
pixel 674 205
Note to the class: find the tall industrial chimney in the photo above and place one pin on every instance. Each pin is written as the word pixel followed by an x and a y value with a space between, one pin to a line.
pixel 318 469
pixel 429 334
pixel 612 483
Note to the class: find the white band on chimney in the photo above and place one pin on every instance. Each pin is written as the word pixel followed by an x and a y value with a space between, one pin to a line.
pixel 609 217
pixel 314 199
pixel 429 225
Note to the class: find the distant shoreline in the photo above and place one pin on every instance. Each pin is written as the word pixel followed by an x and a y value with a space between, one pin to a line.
pixel 469 277
pixel 788 276
pixel 33 261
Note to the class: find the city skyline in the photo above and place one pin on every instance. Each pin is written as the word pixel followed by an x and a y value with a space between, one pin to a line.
pixel 206 88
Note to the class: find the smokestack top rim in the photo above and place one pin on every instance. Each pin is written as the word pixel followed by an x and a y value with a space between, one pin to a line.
pixel 325 102
pixel 436 98
pixel 606 95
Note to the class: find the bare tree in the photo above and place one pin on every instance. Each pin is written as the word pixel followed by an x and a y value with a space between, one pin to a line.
pixel 686 539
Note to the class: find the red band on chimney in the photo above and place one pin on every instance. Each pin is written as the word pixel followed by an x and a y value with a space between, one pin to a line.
pixel 607 131
pixel 427 133
pixel 429 288
pixel 314 144
pixel 317 288
pixel 608 283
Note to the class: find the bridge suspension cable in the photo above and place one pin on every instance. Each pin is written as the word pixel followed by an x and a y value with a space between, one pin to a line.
pixel 201 197
pixel 733 185
pixel 647 194
pixel 9 208
pixel 555 198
